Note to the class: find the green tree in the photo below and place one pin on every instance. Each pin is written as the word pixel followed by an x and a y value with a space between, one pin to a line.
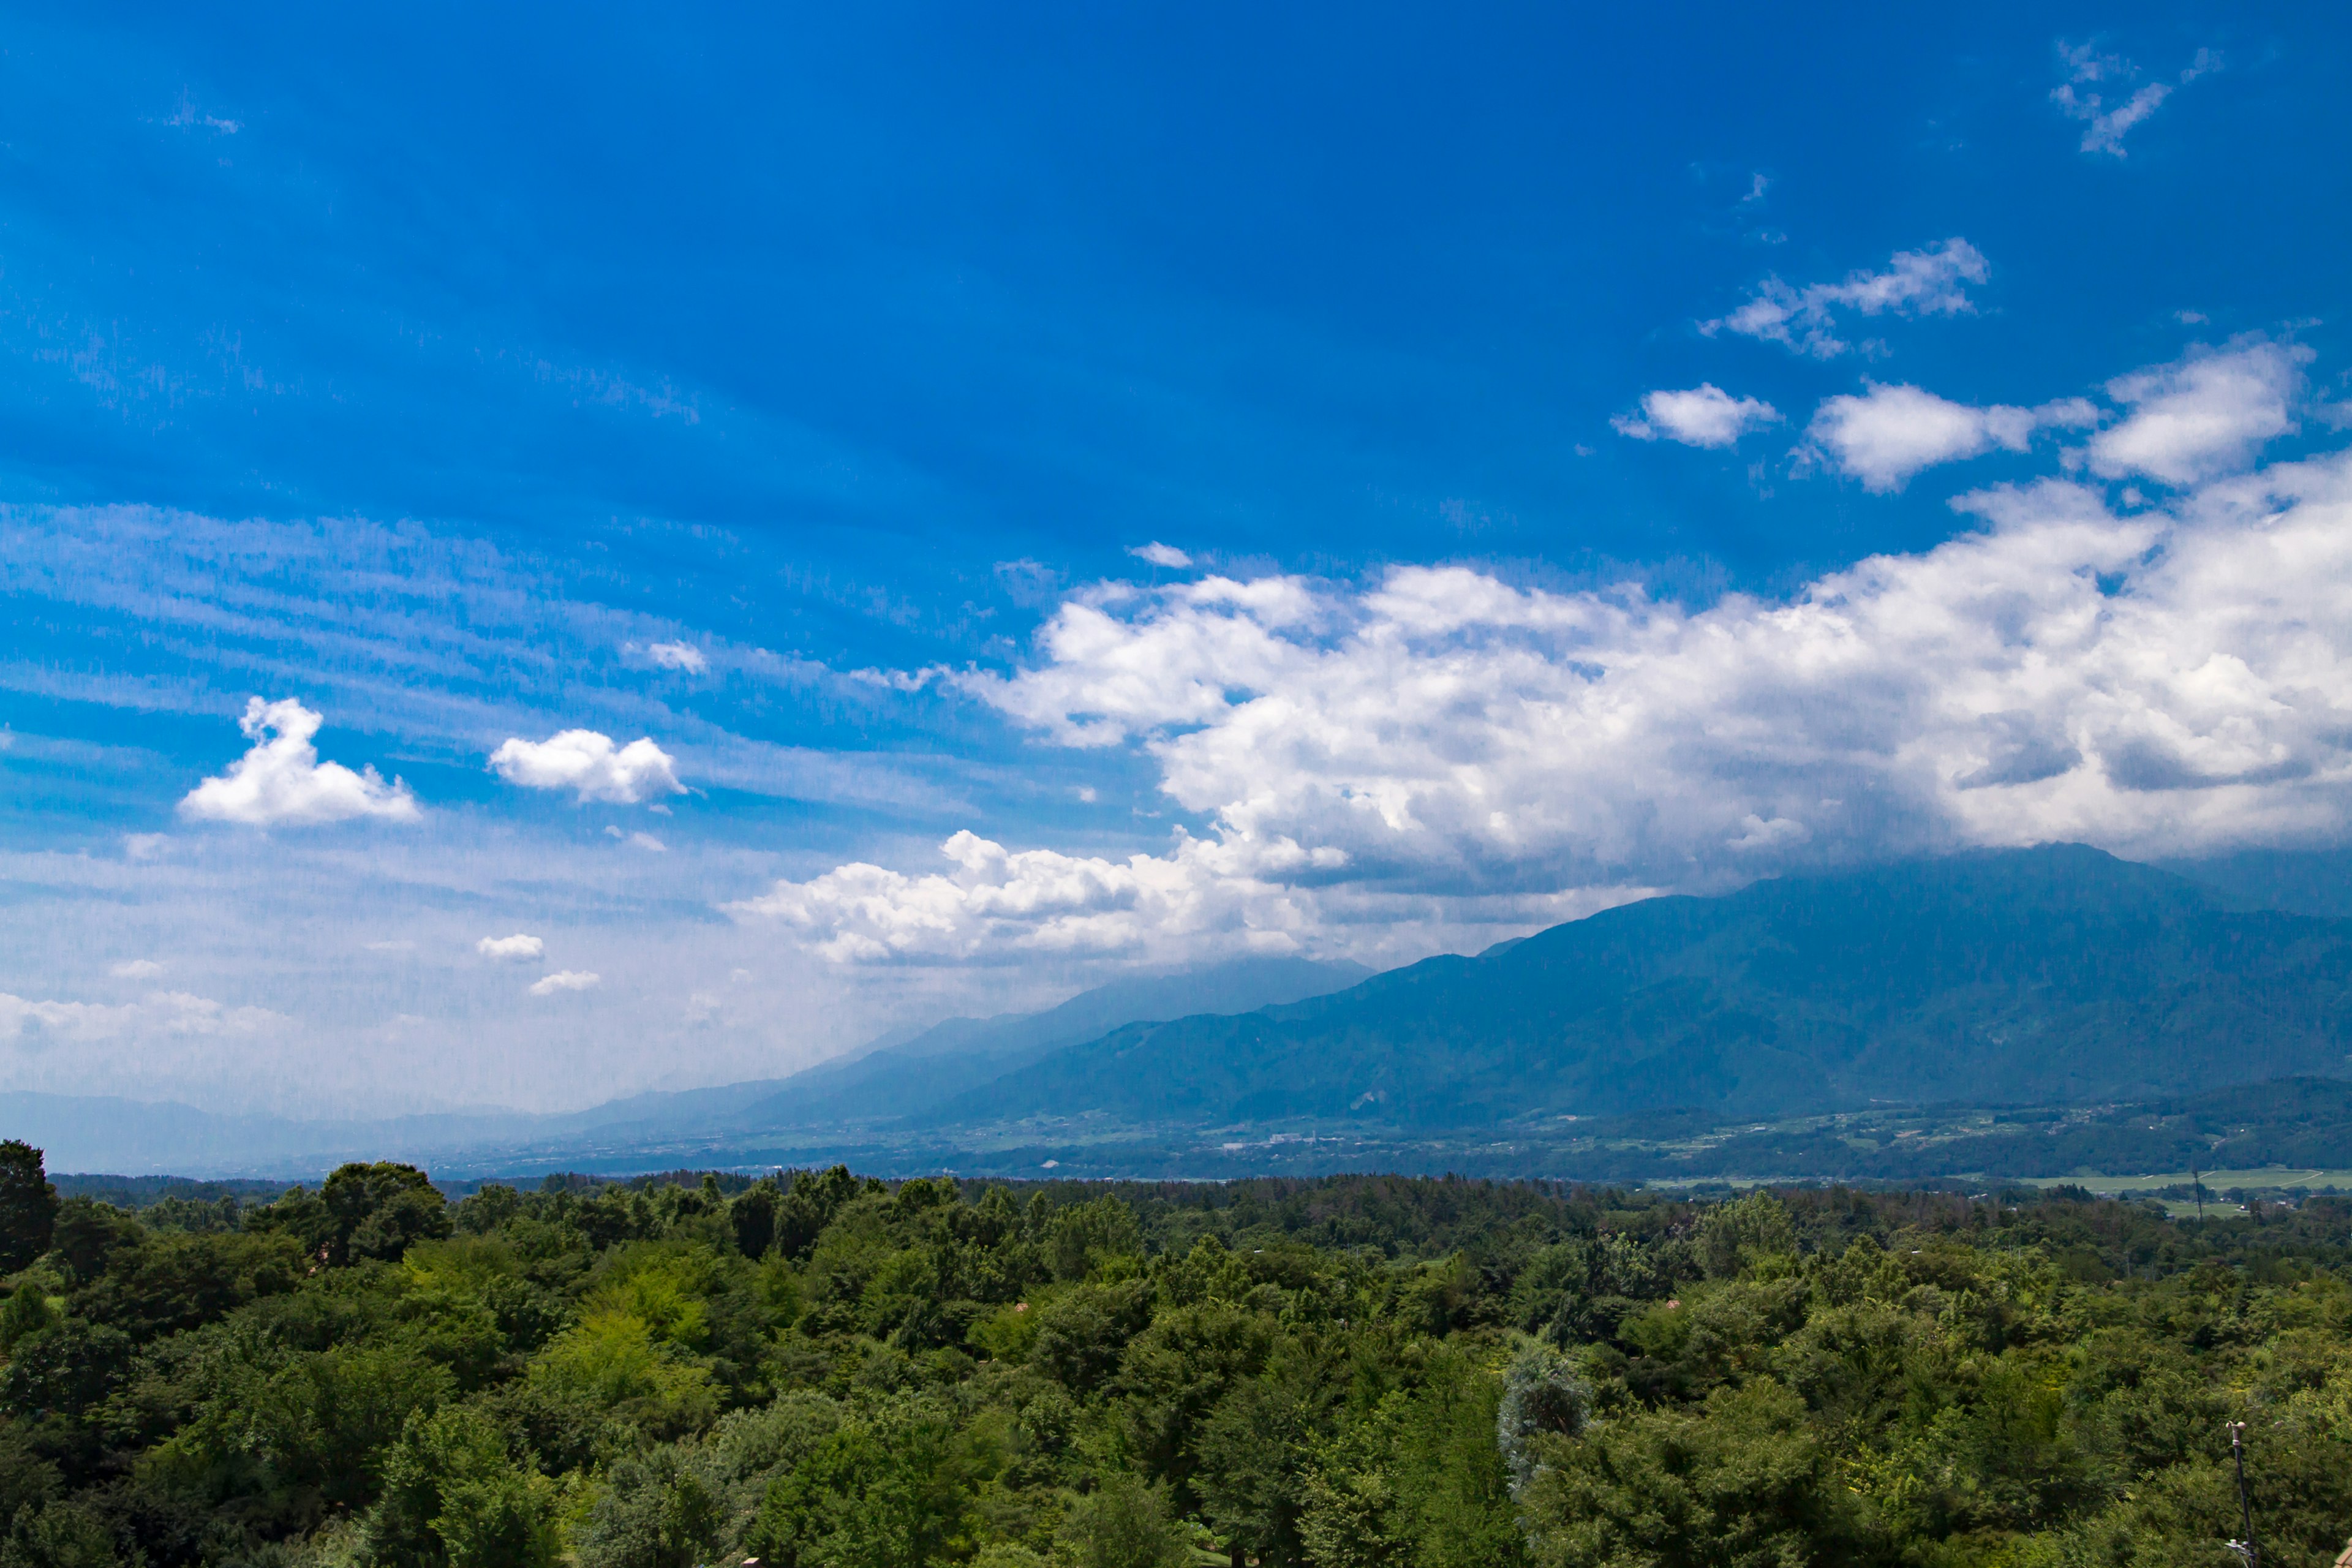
pixel 752 1215
pixel 26 1313
pixel 661 1510
pixel 64 1371
pixel 378 1209
pixel 452 1499
pixel 1123 1523
pixel 1738 1483
pixel 1081 1336
pixel 1084 1236
pixel 64 1534
pixel 869 1496
pixel 1542 1392
pixel 1255 1451
pixel 28 1205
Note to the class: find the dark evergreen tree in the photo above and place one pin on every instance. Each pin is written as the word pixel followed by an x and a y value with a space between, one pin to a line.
pixel 28 1205
pixel 379 1209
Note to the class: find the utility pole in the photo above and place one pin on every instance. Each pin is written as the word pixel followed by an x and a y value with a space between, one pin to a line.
pixel 2248 1551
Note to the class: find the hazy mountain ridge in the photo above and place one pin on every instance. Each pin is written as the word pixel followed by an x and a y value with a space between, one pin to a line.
pixel 108 1133
pixel 2056 976
pixel 2051 975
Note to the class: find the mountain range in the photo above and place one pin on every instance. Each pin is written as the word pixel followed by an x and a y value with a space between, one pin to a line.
pixel 893 1078
pixel 2053 977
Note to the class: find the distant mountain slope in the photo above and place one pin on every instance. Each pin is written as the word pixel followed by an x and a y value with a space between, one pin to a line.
pixel 2051 975
pixel 2295 881
pixel 965 1053
pixel 90 1132
pixel 962 1053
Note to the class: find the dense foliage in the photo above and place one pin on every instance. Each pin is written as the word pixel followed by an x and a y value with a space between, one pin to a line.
pixel 826 1372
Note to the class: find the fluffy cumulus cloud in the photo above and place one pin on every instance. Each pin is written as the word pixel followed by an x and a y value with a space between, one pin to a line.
pixel 2208 415
pixel 2092 78
pixel 281 781
pixel 503 948
pixel 1160 554
pixel 1887 433
pixel 591 766
pixel 1929 283
pixel 565 980
pixel 2163 681
pixel 997 902
pixel 1705 416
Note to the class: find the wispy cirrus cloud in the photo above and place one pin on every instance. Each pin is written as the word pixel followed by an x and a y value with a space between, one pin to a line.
pixel 2092 76
pixel 564 980
pixel 445 641
pixel 1931 281
pixel 683 656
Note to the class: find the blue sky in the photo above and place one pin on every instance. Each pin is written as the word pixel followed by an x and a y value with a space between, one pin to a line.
pixel 1587 452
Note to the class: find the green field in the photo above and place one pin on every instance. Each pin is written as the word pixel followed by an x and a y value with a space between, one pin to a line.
pixel 2264 1179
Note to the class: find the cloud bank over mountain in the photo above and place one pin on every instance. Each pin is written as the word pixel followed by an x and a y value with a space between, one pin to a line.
pixel 2157 681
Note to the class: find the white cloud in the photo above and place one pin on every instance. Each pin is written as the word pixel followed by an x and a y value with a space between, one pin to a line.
pixel 1705 416
pixel 2104 127
pixel 1755 832
pixel 1439 743
pixel 281 780
pixel 137 969
pixel 145 846
pixel 1160 554
pixel 186 116
pixel 2208 414
pixel 679 655
pixel 646 841
pixel 999 901
pixel 1889 432
pixel 564 980
pixel 1926 282
pixel 36 1025
pixel 508 947
pixel 590 765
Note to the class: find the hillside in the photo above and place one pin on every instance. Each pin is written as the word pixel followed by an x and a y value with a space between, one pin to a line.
pixel 893 1078
pixel 962 1054
pixel 2053 976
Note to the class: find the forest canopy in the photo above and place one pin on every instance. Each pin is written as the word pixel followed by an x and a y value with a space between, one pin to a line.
pixel 827 1371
